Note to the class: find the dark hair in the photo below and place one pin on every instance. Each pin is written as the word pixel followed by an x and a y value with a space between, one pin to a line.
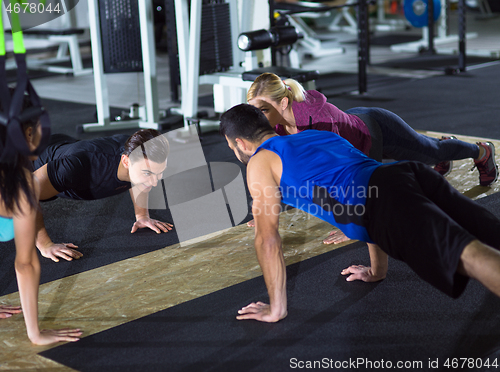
pixel 271 86
pixel 246 122
pixel 156 151
pixel 14 179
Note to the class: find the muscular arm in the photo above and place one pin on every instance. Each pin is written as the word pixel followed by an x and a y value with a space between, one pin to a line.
pixel 378 261
pixel 44 243
pixel 266 207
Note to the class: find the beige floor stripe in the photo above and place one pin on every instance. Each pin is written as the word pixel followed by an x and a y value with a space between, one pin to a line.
pixel 108 296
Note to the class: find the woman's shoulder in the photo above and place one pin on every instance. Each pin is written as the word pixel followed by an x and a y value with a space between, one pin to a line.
pixel 26 202
pixel 313 99
pixel 314 106
pixel 315 96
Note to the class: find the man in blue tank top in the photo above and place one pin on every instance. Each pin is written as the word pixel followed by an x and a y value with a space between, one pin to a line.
pixel 404 210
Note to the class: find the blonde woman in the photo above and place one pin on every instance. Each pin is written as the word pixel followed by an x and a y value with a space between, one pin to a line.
pixel 376 132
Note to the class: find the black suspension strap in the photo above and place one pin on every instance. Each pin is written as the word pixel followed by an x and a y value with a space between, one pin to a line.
pixel 12 114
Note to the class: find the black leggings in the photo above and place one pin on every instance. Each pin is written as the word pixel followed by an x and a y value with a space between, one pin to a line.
pixel 395 139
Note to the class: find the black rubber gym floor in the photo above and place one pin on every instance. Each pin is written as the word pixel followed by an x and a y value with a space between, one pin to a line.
pixel 331 321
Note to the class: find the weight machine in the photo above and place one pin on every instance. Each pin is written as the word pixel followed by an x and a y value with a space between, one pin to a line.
pixel 148 116
pixel 310 42
pixel 231 81
pixel 363 26
pixel 417 10
pixel 228 85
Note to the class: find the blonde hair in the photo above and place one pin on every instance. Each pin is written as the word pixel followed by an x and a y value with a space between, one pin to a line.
pixel 271 85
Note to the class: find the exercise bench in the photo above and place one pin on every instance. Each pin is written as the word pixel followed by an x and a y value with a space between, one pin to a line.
pixel 67 39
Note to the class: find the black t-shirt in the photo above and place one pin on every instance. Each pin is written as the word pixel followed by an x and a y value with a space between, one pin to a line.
pixel 86 169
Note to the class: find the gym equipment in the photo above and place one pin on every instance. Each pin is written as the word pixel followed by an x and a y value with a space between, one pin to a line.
pixel 486 9
pixel 149 114
pixel 12 115
pixel 67 38
pixel 443 37
pixel 344 15
pixel 216 52
pixel 228 87
pixel 173 60
pixel 363 34
pixel 344 21
pixel 381 23
pixel 261 39
pixel 310 43
pixel 428 40
pixel 276 36
pixel 120 36
pixel 416 11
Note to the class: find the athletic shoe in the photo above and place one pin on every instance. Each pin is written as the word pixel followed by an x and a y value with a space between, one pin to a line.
pixel 444 168
pixel 488 169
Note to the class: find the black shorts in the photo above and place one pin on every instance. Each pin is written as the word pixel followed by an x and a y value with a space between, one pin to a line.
pixel 417 217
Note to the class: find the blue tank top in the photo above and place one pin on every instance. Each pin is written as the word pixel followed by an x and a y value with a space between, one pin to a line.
pixel 325 176
pixel 6 229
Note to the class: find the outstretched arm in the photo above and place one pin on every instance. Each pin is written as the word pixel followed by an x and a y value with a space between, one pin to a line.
pixel 142 219
pixel 48 248
pixel 377 271
pixel 27 268
pixel 266 208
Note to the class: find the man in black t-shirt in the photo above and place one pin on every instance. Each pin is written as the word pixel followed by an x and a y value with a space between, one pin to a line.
pixel 96 169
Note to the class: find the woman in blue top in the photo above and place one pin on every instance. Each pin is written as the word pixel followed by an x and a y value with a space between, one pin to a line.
pixel 18 206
